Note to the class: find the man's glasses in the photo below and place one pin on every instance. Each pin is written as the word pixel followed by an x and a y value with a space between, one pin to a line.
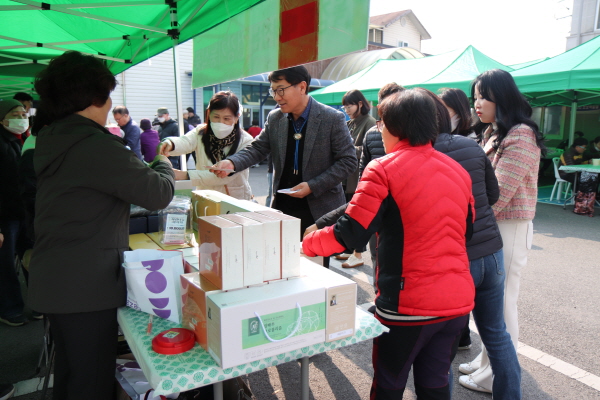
pixel 380 125
pixel 280 92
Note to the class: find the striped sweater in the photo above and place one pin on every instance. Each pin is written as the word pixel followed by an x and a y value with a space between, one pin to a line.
pixel 516 163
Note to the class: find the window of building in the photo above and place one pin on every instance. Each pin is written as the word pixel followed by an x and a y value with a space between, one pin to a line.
pixel 251 95
pixel 375 35
pixel 207 93
pixel 402 44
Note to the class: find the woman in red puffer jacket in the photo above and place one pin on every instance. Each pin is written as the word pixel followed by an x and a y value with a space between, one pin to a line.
pixel 419 202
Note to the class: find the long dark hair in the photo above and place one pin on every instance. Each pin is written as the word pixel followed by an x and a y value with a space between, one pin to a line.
pixel 220 101
pixel 457 100
pixel 512 108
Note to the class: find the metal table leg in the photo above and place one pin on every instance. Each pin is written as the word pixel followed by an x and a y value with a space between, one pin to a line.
pixel 218 391
pixel 574 191
pixel 304 378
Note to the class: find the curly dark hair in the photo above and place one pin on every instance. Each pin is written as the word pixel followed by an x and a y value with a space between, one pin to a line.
pixel 72 82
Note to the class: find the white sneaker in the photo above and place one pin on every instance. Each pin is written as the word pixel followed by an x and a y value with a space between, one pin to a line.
pixel 353 262
pixel 470 367
pixel 343 256
pixel 469 383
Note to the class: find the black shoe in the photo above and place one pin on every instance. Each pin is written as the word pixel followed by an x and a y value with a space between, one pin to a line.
pixel 372 309
pixel 19 320
pixel 465 344
pixel 6 391
pixel 36 315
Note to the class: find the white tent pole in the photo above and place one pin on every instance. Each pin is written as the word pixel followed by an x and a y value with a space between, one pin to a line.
pixel 573 117
pixel 178 100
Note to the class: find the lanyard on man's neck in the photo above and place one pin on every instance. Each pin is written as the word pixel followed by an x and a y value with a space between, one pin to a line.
pixel 297 137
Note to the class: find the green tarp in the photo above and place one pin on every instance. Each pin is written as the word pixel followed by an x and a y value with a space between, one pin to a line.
pixel 572 75
pixel 454 69
pixel 125 33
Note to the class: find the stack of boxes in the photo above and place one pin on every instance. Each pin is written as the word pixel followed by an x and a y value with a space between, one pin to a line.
pixel 250 294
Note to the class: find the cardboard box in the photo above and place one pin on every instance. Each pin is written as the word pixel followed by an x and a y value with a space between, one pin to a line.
pixel 253 248
pixel 194 288
pixel 290 243
pixel 220 252
pixel 271 243
pixel 237 336
pixel 340 293
pixel 142 241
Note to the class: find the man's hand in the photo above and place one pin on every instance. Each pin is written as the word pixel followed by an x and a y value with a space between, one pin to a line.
pixel 181 175
pixel 164 148
pixel 1 239
pixel 310 229
pixel 225 164
pixel 303 190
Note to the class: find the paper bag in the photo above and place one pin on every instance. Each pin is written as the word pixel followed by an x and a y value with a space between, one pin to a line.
pixel 153 282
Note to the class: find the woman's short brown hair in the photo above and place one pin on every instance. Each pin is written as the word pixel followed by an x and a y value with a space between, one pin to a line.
pixel 410 115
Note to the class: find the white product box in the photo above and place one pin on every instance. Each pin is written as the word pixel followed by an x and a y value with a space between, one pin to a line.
pixel 271 243
pixel 290 243
pixel 254 249
pixel 237 336
pixel 340 293
pixel 220 252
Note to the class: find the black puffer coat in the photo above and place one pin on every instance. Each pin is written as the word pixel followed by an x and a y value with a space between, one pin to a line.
pixel 372 148
pixel 10 153
pixel 486 237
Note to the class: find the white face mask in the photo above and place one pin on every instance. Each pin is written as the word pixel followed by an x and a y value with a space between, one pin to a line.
pixel 454 122
pixel 17 126
pixel 220 130
pixel 161 119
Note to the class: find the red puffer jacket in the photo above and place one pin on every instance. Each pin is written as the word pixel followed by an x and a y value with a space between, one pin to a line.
pixel 419 202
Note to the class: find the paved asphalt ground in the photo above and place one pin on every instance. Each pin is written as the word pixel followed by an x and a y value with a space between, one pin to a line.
pixel 559 316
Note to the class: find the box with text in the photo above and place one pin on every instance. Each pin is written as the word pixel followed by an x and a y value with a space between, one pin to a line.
pixel 290 243
pixel 253 248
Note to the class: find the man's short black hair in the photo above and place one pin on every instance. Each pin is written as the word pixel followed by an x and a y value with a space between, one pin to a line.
pixel 73 82
pixel 22 96
pixel 120 110
pixel 293 75
pixel 597 140
pixel 389 89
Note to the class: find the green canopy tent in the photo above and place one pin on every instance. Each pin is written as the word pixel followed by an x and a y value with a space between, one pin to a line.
pixel 124 33
pixel 454 69
pixel 568 79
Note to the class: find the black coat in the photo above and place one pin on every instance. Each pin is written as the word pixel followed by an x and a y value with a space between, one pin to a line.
pixel 10 199
pixel 87 181
pixel 372 148
pixel 486 237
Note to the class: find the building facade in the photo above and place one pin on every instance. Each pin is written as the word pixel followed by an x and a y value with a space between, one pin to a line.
pixel 585 22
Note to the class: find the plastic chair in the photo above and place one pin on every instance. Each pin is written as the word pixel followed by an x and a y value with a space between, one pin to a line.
pixel 559 182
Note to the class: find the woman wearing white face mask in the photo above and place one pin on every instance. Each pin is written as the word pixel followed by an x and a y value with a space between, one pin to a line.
pixel 220 137
pixel 457 103
pixel 14 122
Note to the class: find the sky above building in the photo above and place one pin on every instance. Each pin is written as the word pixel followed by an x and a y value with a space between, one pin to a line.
pixel 509 31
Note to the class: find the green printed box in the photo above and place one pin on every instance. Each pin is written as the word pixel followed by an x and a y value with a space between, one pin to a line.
pixel 250 324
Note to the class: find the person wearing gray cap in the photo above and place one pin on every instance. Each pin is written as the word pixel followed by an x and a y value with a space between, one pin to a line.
pixel 14 124
pixel 168 127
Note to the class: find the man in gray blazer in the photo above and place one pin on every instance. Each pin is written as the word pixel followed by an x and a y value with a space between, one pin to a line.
pixel 311 147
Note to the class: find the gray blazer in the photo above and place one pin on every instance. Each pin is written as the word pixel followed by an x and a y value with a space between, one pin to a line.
pixel 329 154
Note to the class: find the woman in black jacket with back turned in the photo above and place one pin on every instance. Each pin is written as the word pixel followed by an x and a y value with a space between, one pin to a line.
pixel 87 180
